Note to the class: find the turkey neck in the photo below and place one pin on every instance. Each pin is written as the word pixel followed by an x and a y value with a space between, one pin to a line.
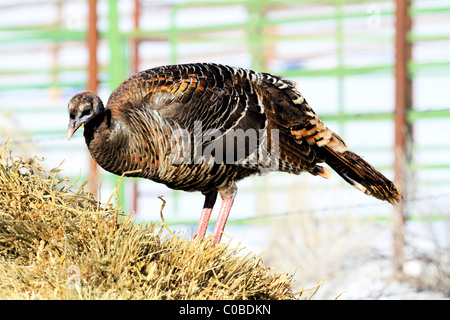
pixel 105 143
pixel 91 127
pixel 119 145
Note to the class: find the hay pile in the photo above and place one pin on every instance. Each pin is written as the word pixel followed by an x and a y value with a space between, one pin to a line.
pixel 57 243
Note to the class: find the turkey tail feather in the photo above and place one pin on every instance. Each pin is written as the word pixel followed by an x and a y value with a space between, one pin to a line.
pixel 319 143
pixel 361 175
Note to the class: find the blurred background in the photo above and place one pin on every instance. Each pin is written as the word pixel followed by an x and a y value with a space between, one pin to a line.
pixel 376 72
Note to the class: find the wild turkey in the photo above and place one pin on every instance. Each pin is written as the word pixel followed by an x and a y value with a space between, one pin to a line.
pixel 203 126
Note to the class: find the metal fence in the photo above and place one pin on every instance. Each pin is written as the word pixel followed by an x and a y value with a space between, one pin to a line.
pixel 342 53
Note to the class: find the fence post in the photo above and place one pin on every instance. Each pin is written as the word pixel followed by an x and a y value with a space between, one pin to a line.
pixel 92 39
pixel 255 9
pixel 117 72
pixel 135 69
pixel 403 103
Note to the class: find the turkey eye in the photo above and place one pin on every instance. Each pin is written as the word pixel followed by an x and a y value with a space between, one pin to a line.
pixel 72 115
pixel 86 112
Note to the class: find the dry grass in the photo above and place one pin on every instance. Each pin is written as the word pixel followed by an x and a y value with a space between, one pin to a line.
pixel 59 243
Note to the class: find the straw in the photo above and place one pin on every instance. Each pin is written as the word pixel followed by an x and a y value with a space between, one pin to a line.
pixel 57 243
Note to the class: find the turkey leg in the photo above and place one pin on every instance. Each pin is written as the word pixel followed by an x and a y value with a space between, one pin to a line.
pixel 210 200
pixel 225 208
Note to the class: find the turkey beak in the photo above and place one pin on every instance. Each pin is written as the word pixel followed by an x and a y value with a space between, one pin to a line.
pixel 73 126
